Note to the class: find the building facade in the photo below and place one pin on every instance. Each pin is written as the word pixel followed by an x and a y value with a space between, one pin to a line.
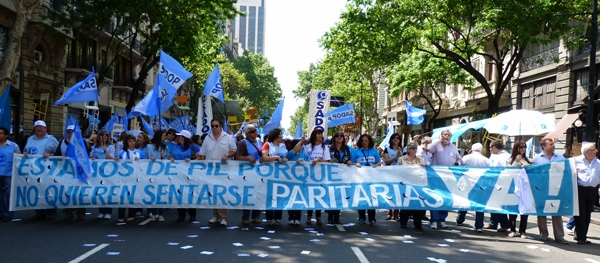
pixel 249 30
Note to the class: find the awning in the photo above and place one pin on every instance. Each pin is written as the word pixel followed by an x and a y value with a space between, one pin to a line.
pixel 563 125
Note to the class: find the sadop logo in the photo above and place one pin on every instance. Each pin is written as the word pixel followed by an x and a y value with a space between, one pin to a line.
pixel 319 118
pixel 32 150
pixel 3 158
pixel 543 126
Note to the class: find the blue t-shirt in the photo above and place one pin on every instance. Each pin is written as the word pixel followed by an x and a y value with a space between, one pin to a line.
pixel 7 152
pixel 294 157
pixel 170 145
pixel 46 144
pixel 98 152
pixel 153 153
pixel 366 157
pixel 179 154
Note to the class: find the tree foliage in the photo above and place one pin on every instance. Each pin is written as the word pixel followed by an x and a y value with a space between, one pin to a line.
pixel 187 30
pixel 500 31
pixel 421 72
pixel 263 91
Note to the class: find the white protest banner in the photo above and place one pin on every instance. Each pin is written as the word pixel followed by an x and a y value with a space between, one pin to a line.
pixel 40 183
pixel 317 107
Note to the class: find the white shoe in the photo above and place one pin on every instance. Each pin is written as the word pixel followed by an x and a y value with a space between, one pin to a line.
pixel 443 225
pixel 107 217
pixel 100 216
pixel 223 222
pixel 152 218
pixel 161 219
pixel 479 230
pixel 297 222
pixel 138 214
pixel 213 220
pixel 292 222
pixel 434 225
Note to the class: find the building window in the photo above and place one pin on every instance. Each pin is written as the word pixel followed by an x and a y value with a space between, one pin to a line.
pixel 526 96
pixel 122 72
pixel 81 52
pixel 3 40
pixel 54 4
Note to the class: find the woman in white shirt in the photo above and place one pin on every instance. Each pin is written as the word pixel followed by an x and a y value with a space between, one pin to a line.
pixel 518 158
pixel 316 151
pixel 274 150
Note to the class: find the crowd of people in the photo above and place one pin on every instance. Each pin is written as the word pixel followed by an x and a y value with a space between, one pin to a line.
pixel 362 152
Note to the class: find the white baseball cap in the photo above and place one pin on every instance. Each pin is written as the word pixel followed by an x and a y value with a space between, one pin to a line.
pixel 39 123
pixel 71 127
pixel 185 134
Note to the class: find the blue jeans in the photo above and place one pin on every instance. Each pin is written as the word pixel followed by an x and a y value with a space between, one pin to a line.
pixel 479 220
pixel 438 216
pixel 571 223
pixel 461 217
pixel 5 196
pixel 496 219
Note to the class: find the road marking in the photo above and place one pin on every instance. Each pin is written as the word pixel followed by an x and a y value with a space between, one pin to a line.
pixel 145 222
pixel 361 257
pixel 89 253
pixel 591 260
pixel 340 227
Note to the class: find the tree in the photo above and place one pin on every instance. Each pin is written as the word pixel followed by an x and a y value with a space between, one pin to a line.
pixel 187 30
pixel 8 67
pixel 459 30
pixel 419 71
pixel 263 92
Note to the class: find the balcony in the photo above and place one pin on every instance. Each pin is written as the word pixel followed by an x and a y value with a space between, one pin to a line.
pixel 539 60
pixel 586 47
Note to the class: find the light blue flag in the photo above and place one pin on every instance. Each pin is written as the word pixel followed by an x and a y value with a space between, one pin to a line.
pixel 125 121
pixel 92 122
pixel 388 136
pixel 341 115
pixel 164 124
pixel 299 133
pixel 529 144
pixel 83 91
pixel 180 124
pixel 275 120
pixel 76 150
pixel 174 72
pixel 213 85
pixel 5 109
pixel 147 127
pixel 226 125
pixel 241 131
pixel 414 115
pixel 168 80
pixel 109 125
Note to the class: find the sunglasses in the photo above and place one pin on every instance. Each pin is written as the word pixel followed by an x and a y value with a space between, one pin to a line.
pixel 253 131
pixel 522 147
pixel 412 148
pixel 214 126
pixel 338 136
pixel 395 138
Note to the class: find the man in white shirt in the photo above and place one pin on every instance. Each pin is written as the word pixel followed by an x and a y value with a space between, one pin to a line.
pixel 548 156
pixel 475 158
pixel 587 168
pixel 218 146
pixel 497 159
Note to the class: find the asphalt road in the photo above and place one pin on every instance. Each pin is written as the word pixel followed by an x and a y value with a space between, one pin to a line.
pixel 104 241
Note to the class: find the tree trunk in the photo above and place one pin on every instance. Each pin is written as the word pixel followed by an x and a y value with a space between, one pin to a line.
pixel 10 61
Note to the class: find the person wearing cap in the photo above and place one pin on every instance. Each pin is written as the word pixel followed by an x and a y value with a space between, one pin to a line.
pixel 185 150
pixel 64 143
pixel 7 151
pixel 218 146
pixel 587 168
pixel 62 150
pixel 41 143
pixel 249 149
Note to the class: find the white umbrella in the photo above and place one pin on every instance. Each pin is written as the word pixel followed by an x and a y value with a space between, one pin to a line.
pixel 520 122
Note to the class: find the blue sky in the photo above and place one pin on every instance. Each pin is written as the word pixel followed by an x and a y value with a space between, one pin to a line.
pixel 292 31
